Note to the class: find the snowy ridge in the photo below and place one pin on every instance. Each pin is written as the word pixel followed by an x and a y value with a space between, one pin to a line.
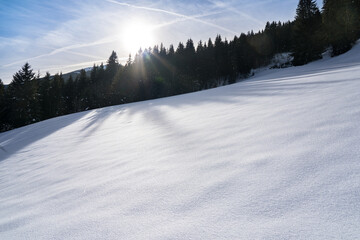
pixel 273 157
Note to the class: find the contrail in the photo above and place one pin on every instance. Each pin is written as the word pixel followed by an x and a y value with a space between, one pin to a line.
pixel 65 49
pixel 247 16
pixel 82 54
pixel 231 9
pixel 25 60
pixel 112 38
pixel 185 19
pixel 174 14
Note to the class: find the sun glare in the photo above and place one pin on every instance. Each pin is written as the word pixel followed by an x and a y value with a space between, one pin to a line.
pixel 136 35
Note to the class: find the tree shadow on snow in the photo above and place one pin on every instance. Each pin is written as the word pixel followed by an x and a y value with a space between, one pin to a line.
pixel 12 142
pixel 275 83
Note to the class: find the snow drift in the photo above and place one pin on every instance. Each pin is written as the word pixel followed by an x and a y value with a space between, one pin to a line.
pixel 274 157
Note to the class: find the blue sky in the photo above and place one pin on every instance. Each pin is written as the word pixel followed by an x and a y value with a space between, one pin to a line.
pixel 62 35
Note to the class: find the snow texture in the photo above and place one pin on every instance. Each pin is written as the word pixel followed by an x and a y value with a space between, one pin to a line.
pixel 274 157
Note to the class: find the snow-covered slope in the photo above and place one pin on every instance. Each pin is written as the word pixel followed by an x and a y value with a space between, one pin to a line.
pixel 274 157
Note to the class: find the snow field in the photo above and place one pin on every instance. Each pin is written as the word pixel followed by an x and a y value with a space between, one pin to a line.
pixel 273 157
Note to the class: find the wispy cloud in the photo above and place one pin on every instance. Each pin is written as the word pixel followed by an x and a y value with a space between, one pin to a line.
pixel 234 10
pixel 83 55
pixel 109 39
pixel 175 14
pixel 53 35
pixel 168 23
pixel 10 42
pixel 67 49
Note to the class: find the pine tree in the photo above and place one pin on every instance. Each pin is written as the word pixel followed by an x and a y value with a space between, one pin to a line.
pixel 3 108
pixel 210 66
pixel 308 43
pixel 102 87
pixel 69 96
pixel 82 91
pixel 222 60
pixel 162 50
pixel 2 92
pixel 189 55
pixel 45 97
pixel 171 50
pixel 342 24
pixel 112 66
pixel 242 56
pixel 180 48
pixel 24 97
pixel 56 95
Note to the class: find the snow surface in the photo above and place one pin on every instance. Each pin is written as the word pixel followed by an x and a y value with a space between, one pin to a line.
pixel 274 157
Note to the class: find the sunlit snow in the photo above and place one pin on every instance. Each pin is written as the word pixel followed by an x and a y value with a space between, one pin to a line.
pixel 274 157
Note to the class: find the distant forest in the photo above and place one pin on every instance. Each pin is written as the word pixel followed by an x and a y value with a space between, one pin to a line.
pixel 159 72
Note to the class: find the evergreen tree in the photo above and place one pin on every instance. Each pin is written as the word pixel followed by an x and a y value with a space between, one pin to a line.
pixel 308 43
pixel 112 66
pixel 4 109
pixel 111 70
pixel 210 66
pixel 2 92
pixel 171 50
pixel 93 88
pixel 101 86
pixel 342 24
pixel 221 60
pixel 180 48
pixel 56 96
pixel 23 94
pixel 189 55
pixel 69 96
pixel 83 90
pixel 159 72
pixel 162 50
pixel 242 55
pixel 45 97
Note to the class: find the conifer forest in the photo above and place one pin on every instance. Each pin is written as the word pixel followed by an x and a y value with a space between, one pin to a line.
pixel 186 67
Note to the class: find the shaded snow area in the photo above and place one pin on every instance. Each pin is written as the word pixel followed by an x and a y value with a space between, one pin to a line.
pixel 274 157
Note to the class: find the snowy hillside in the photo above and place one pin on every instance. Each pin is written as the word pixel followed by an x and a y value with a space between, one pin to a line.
pixel 274 157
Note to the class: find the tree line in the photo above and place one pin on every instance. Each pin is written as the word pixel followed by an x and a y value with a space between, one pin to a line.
pixel 159 72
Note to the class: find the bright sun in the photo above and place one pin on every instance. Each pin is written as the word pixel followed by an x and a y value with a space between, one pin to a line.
pixel 136 35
